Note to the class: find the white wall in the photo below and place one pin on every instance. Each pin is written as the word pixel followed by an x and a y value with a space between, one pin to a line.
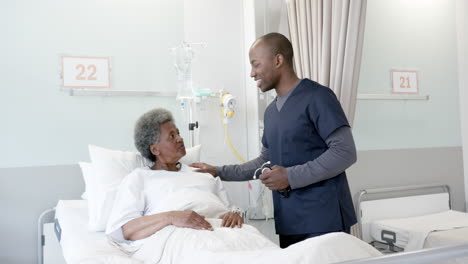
pixel 401 34
pixel 220 65
pixel 462 44
pixel 416 35
pixel 42 125
pixel 397 139
pixel 260 18
pixel 45 126
pixel 419 35
pixel 424 36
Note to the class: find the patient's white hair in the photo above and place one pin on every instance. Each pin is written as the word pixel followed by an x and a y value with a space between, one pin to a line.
pixel 147 130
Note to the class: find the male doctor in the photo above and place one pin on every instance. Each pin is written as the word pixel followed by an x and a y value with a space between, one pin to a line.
pixel 308 140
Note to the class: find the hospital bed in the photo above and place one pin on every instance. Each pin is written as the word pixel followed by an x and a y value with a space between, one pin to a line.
pixel 79 226
pixel 73 222
pixel 80 245
pixel 77 243
pixel 70 221
pixel 410 218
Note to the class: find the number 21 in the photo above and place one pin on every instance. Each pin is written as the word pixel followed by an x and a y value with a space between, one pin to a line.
pixel 402 82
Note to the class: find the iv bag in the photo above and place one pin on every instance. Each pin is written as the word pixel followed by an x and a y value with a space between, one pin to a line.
pixel 183 56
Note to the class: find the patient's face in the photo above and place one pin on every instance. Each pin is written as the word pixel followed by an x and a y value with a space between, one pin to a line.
pixel 171 146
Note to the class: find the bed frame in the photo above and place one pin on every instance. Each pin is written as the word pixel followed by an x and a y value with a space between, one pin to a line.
pixel 398 202
pixel 423 256
pixel 416 257
pixel 45 217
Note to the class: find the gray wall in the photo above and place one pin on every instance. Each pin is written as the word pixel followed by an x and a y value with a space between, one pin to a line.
pixel 26 192
pixel 402 167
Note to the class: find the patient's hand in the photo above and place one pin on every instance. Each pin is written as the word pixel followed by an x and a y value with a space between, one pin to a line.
pixel 232 219
pixel 190 219
pixel 203 167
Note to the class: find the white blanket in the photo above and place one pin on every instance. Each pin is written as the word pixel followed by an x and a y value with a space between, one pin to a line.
pixel 204 194
pixel 246 245
pixel 418 228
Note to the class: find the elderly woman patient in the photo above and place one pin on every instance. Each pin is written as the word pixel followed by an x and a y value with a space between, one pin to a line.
pixel 168 192
pixel 166 213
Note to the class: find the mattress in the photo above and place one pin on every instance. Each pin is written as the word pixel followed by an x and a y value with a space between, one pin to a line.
pixel 79 245
pixel 412 232
pixel 447 238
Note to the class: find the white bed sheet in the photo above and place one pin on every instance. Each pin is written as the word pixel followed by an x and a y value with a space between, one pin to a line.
pixel 411 232
pixel 179 245
pixel 79 245
pixel 233 246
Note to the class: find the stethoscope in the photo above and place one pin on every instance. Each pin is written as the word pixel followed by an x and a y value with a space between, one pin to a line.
pixel 267 166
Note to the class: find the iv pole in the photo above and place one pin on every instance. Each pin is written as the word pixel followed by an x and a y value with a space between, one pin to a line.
pixel 184 55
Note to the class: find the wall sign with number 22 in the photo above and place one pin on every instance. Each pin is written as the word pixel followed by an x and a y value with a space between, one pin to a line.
pixel 85 72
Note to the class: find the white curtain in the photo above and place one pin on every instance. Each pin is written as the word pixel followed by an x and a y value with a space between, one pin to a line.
pixel 327 38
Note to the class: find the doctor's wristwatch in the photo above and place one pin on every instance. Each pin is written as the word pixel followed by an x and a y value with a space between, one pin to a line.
pixel 285 192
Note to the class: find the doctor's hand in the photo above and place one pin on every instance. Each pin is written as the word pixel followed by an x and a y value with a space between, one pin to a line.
pixel 204 168
pixel 232 219
pixel 189 219
pixel 275 179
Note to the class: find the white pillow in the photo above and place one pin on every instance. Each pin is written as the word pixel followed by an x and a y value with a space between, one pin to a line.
pixel 93 193
pixel 107 170
pixel 88 175
pixel 192 155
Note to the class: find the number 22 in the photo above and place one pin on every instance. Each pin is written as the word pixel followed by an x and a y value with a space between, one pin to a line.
pixel 81 75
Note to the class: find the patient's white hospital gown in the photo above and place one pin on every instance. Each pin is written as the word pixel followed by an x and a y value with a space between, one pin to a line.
pixel 147 192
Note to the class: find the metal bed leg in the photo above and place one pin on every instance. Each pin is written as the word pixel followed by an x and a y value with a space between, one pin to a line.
pixel 40 235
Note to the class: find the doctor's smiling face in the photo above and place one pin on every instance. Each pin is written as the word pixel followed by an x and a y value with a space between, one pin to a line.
pixel 170 148
pixel 265 66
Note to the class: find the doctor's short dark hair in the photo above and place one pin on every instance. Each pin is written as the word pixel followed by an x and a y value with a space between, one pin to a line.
pixel 279 44
pixel 148 130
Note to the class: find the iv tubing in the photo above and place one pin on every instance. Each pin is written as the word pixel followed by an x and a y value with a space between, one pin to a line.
pixel 230 144
pixel 228 139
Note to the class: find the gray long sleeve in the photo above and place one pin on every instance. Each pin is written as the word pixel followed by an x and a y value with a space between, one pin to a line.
pixel 242 172
pixel 339 156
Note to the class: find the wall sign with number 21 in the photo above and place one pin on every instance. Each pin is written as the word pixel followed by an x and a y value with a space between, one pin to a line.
pixel 405 82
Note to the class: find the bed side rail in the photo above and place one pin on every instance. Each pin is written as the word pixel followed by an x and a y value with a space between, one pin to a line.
pixel 40 234
pixel 363 193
